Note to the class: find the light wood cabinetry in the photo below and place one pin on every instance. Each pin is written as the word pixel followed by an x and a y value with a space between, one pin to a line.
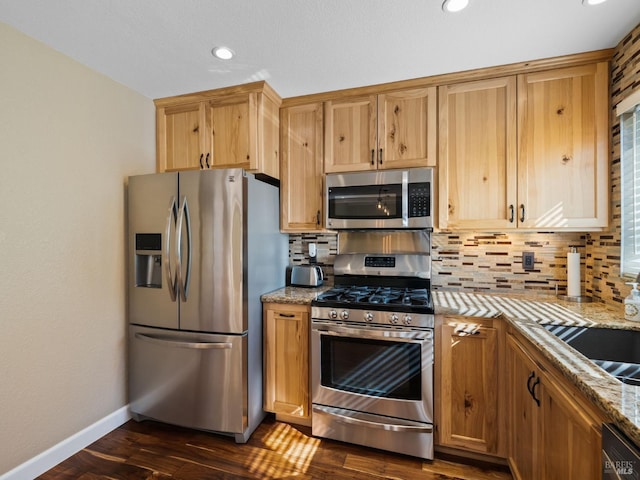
pixel 389 130
pixel 469 402
pixel 563 147
pixel 477 159
pixel 227 127
pixel 286 361
pixel 301 171
pixel 555 432
pixel 526 151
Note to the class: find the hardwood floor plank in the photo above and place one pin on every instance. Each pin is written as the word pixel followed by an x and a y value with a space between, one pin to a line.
pixel 154 451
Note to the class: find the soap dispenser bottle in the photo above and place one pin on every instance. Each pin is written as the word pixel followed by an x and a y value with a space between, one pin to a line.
pixel 632 303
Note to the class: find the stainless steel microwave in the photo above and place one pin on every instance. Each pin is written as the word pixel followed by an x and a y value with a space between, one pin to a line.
pixel 385 199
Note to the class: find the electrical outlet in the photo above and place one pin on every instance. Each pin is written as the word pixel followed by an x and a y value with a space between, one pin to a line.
pixel 528 260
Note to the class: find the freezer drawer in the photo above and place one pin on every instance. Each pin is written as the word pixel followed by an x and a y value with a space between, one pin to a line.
pixel 194 380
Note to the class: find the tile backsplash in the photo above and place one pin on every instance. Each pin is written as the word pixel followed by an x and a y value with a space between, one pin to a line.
pixel 489 262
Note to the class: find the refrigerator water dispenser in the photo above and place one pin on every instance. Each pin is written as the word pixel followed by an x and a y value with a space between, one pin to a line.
pixel 148 260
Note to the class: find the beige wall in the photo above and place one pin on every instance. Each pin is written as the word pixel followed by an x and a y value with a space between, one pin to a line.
pixel 69 137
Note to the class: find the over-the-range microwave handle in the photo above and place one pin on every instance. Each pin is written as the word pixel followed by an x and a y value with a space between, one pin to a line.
pixel 166 251
pixel 184 218
pixel 368 423
pixel 182 344
pixel 405 198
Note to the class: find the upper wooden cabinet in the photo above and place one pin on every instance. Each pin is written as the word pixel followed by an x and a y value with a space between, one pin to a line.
pixel 527 151
pixel 301 182
pixel 563 148
pixel 390 130
pixel 227 127
pixel 477 161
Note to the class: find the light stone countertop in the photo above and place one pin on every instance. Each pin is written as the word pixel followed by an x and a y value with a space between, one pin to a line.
pixel 528 313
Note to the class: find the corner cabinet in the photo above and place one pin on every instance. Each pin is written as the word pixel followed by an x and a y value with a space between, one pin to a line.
pixel 286 362
pixel 301 168
pixel 227 127
pixel 555 433
pixel 469 401
pixel 390 130
pixel 526 151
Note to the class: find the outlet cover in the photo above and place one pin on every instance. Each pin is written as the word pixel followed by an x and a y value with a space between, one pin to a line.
pixel 528 260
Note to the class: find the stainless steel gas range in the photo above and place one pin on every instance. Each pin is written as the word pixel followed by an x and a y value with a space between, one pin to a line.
pixel 372 351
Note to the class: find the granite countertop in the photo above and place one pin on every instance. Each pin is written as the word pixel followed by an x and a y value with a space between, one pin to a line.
pixel 528 314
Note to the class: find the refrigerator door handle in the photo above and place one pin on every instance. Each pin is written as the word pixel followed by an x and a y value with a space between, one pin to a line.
pixel 166 252
pixel 181 344
pixel 183 219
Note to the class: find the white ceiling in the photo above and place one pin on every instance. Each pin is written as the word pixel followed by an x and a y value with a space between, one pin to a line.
pixel 162 47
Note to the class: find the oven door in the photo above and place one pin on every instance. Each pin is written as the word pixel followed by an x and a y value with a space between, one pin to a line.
pixel 376 370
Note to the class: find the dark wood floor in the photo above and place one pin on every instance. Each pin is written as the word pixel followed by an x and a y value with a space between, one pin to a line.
pixel 276 450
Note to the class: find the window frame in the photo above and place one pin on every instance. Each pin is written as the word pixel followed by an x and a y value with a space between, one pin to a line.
pixel 628 112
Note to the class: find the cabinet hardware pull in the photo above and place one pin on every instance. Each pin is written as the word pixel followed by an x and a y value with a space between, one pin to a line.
pixel 533 391
pixel 318 218
pixel 522 212
pixel 531 375
pixel 380 156
pixel 373 154
pixel 201 155
pixel 511 213
pixel 287 315
pixel 206 161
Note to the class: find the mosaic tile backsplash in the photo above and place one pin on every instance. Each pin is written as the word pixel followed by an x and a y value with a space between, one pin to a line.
pixel 478 262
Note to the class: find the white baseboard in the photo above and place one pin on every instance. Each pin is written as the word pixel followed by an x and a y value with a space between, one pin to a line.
pixel 50 458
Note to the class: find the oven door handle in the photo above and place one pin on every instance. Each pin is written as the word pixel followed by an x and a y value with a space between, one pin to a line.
pixel 368 423
pixel 368 333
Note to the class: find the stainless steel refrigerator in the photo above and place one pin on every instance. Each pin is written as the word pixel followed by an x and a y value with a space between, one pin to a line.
pixel 203 247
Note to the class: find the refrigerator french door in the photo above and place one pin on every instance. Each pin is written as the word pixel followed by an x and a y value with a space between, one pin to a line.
pixel 203 247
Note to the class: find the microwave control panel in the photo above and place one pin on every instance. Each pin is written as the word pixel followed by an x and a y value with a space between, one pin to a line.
pixel 419 201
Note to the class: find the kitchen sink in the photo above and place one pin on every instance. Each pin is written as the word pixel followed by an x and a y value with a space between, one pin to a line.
pixel 616 351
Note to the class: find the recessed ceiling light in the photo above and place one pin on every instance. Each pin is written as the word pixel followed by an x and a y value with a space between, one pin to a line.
pixel 223 53
pixel 454 5
pixel 592 2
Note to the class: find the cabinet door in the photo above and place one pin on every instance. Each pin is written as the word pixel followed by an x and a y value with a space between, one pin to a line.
pixel 268 161
pixel 407 128
pixel 469 395
pixel 350 134
pixel 524 415
pixel 301 192
pixel 233 133
pixel 181 137
pixel 478 161
pixel 571 441
pixel 286 359
pixel 563 147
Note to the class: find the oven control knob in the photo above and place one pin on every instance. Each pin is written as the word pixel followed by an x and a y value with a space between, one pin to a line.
pixel 393 318
pixel 344 315
pixel 407 319
pixel 368 317
pixel 333 314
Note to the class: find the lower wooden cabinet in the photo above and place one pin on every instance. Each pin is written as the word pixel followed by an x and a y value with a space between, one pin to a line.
pixel 286 361
pixel 555 433
pixel 469 402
